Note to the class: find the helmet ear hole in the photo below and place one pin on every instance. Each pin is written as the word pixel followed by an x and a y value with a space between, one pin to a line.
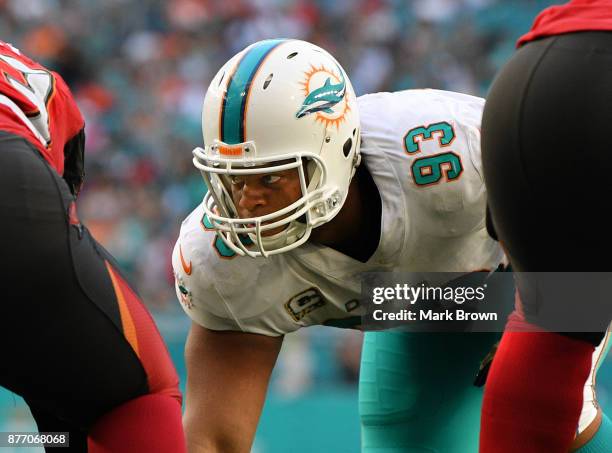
pixel 346 148
pixel 291 55
pixel 268 80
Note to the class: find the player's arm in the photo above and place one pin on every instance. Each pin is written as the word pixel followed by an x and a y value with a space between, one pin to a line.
pixel 227 378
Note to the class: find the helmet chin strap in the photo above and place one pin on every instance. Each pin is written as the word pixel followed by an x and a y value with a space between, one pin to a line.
pixel 313 175
pixel 288 236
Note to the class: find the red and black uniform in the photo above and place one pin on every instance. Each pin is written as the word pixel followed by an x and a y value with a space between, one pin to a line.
pixel 78 344
pixel 548 167
pixel 574 16
pixel 52 118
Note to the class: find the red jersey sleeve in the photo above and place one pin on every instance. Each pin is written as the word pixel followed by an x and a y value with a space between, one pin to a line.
pixel 577 15
pixel 36 104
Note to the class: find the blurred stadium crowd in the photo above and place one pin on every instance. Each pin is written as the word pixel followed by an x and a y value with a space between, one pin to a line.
pixel 139 70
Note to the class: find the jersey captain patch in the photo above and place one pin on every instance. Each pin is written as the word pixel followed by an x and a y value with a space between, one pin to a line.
pixel 303 303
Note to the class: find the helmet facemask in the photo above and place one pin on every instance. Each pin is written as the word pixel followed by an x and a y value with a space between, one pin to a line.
pixel 247 236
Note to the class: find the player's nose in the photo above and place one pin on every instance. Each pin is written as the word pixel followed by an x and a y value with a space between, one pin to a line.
pixel 252 197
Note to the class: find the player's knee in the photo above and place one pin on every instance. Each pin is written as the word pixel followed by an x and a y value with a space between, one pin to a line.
pixel 163 380
pixel 388 392
pixel 171 390
pixel 150 423
pixel 380 405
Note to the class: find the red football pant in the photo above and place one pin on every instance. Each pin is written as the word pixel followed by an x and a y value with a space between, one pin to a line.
pixel 533 396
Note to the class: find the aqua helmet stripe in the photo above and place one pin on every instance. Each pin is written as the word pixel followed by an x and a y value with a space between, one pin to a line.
pixel 235 98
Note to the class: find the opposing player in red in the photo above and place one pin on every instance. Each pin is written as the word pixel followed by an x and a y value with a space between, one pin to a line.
pixel 547 165
pixel 79 345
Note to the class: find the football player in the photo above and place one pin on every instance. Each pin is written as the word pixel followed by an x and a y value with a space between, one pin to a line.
pixel 79 344
pixel 546 165
pixel 308 188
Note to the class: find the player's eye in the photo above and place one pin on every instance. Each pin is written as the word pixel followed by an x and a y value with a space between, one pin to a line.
pixel 236 180
pixel 271 179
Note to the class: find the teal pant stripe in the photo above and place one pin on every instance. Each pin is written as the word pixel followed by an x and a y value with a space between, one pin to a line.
pixel 234 102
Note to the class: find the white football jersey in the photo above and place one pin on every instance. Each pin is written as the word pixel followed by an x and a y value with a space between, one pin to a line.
pixel 422 148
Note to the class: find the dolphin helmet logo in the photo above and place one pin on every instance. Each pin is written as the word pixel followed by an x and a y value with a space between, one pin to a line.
pixel 323 99
pixel 328 101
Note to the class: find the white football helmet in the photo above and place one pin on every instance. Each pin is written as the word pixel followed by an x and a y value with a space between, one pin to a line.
pixel 277 105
